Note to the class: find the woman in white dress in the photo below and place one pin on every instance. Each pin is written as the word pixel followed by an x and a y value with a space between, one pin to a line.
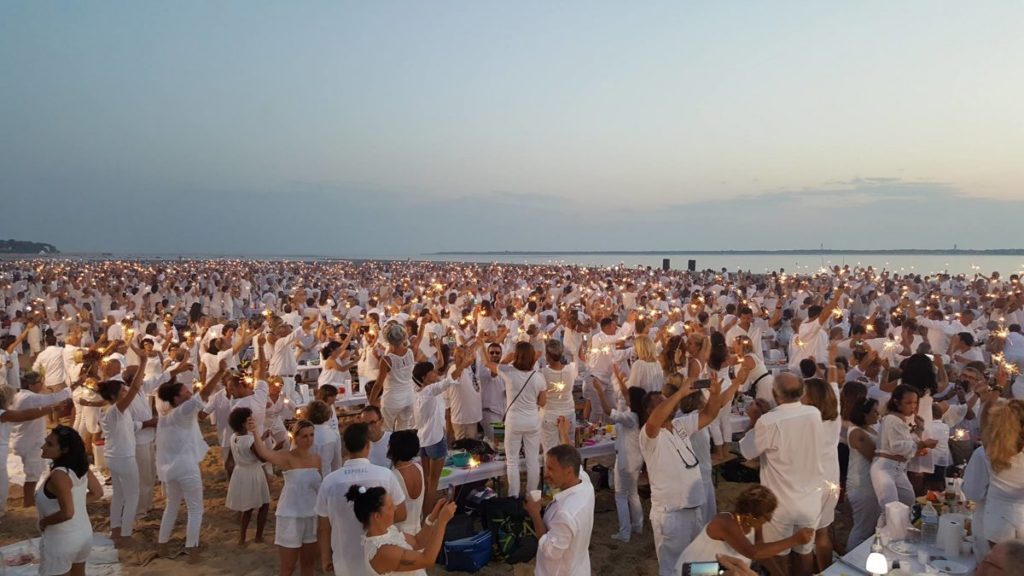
pixel 326 440
pixel 296 532
pixel 559 378
pixel 247 490
pixel 60 501
pixel 863 440
pixel 403 448
pixel 395 391
pixel 119 452
pixel 335 365
pixel 738 533
pixel 388 550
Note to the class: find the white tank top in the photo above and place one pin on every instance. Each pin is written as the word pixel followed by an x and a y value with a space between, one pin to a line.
pixel 858 475
pixel 399 389
pixel 704 548
pixel 79 491
pixel 298 497
pixel 413 506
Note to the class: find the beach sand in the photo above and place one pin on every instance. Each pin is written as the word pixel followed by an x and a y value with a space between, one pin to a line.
pixel 221 555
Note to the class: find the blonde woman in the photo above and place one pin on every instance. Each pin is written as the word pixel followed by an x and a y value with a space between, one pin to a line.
pixel 752 375
pixel 1003 438
pixel 646 372
pixel 396 392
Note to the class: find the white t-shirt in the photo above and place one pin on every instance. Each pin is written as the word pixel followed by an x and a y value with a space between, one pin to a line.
pixel 346 531
pixel 464 398
pixel 119 432
pixel 429 412
pixel 673 466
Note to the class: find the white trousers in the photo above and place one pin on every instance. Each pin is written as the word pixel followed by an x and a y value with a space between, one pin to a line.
pixel 721 427
pixel 530 443
pixel 889 479
pixel 866 511
pixel 549 429
pixel 397 418
pixel 145 457
pixel 627 500
pixel 189 488
pixel 673 532
pixel 125 501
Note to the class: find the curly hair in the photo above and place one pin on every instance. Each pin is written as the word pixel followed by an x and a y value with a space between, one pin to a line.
pixel 1003 433
pixel 318 412
pixel 757 501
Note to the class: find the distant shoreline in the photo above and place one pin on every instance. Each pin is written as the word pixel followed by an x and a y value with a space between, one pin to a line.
pixel 818 252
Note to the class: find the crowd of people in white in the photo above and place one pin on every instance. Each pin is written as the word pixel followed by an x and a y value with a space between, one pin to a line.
pixel 862 387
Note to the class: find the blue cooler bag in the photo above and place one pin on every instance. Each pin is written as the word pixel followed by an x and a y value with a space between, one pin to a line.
pixel 468 554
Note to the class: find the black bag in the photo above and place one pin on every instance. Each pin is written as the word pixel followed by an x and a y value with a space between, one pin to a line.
pixel 473 446
pixel 511 529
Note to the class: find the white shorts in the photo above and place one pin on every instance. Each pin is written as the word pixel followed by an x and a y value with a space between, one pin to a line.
pixel 59 549
pixel 33 464
pixel 293 532
pixel 828 510
pixel 774 531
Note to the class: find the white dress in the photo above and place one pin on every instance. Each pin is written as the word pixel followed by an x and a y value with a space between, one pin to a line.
pixel 393 537
pixel 68 542
pixel 296 508
pixel 248 487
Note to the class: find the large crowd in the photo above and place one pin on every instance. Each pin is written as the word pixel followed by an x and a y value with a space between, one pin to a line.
pixel 862 387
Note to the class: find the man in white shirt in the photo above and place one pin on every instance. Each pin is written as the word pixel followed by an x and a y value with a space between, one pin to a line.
pixel 677 490
pixel 283 363
pixel 606 349
pixel 340 533
pixel 492 389
pixel 753 329
pixel 564 531
pixel 463 399
pixel 380 438
pixel 812 338
pixel 50 363
pixel 27 438
pixel 793 472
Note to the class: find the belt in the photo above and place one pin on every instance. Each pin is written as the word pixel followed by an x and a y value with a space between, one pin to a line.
pixel 891 457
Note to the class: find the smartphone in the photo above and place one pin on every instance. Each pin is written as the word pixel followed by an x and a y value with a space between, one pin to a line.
pixel 702 569
pixel 702 384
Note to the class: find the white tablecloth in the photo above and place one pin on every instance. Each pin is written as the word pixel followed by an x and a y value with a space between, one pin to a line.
pixel 858 557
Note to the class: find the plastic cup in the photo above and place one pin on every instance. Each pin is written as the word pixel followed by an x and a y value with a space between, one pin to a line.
pixel 535 495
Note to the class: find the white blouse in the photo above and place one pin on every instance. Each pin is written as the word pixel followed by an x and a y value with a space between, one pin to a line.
pixel 895 438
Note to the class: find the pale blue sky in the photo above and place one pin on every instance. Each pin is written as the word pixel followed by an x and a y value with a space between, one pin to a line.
pixel 401 127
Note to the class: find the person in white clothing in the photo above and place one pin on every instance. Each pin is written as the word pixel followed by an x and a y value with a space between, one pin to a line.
pixel 27 436
pixel 429 419
pixel 296 532
pixel 119 452
pixel 326 439
pixel 779 438
pixel 564 530
pixel 811 341
pixel 63 519
pixel 628 461
pixel 862 438
pixel 677 489
pixel 379 437
pixel 386 549
pixel 825 397
pixel 1003 438
pixel 395 391
pixel 341 552
pixel 559 378
pixel 403 450
pixel 526 392
pixel 180 448
pixel 463 399
pixel 898 442
pixel 50 363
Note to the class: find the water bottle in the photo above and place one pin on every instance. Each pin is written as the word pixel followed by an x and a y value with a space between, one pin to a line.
pixel 929 524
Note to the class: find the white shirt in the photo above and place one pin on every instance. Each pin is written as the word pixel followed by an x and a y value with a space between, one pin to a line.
pixel 282 359
pixel 141 409
pixel 51 362
pixel 756 333
pixel 379 450
pixel 673 466
pixel 811 340
pixel 346 531
pixel 894 437
pixel 788 467
pixel 464 398
pixel 429 413
pixel 179 442
pixel 647 375
pixel 565 549
pixel 118 432
pixel 27 436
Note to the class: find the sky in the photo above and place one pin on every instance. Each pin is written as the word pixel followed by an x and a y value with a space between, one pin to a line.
pixel 398 128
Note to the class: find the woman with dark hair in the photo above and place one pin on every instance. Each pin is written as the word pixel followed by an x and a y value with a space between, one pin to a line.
pixel 718 362
pixel 525 394
pixel 898 442
pixel 430 421
pixel 326 440
pixel 247 490
pixel 628 459
pixel 63 519
pixel 335 365
pixel 180 449
pixel 862 439
pixel 388 550
pixel 296 531
pixel 119 452
pixel 403 448
pixel 738 533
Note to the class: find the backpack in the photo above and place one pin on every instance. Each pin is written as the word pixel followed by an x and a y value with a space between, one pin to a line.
pixel 511 529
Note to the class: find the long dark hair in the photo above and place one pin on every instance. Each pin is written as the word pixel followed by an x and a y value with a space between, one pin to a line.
pixel 365 501
pixel 72 451
pixel 636 397
pixel 719 351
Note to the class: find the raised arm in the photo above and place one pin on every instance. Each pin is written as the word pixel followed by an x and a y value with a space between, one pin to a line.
pixel 133 390
pixel 666 409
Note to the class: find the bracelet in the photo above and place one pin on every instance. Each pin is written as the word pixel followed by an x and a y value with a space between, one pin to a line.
pixel 428 521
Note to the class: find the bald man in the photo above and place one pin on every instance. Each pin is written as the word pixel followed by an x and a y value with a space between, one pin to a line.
pixel 783 439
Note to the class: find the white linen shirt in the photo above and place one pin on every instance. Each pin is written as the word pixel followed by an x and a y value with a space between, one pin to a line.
pixel 565 549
